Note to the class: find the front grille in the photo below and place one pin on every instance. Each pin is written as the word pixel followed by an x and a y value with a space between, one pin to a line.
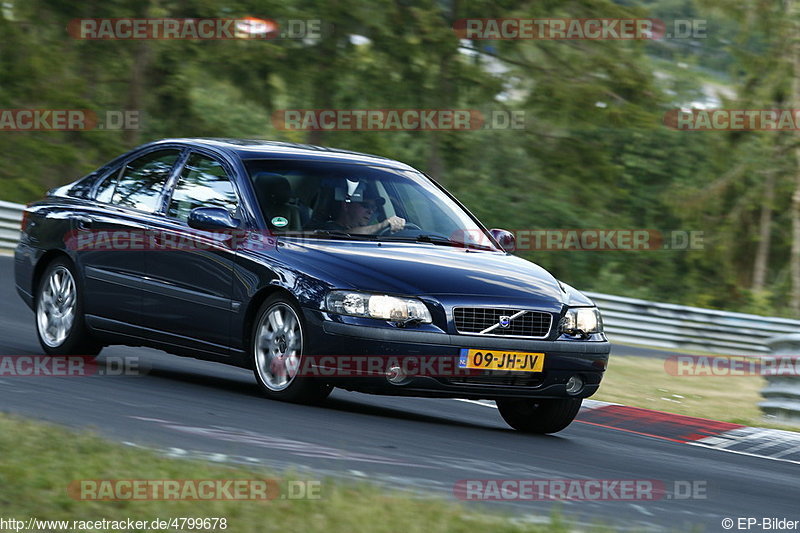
pixel 474 320
pixel 517 380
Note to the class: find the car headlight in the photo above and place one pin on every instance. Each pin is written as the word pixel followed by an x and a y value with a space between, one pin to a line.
pixel 582 321
pixel 379 306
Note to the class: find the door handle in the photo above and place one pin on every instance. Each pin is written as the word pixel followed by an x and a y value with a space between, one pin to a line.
pixel 84 222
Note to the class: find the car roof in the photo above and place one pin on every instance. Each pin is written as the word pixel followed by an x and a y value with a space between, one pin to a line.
pixel 261 149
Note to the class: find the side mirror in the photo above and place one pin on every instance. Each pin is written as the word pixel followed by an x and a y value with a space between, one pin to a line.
pixel 505 239
pixel 212 219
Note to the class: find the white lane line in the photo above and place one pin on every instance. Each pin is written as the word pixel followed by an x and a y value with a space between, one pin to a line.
pixel 738 452
pixel 641 509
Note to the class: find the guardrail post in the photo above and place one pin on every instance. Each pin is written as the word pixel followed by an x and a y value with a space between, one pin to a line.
pixel 782 393
pixel 10 217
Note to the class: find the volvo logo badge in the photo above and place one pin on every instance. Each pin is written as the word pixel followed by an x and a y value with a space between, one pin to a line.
pixel 505 321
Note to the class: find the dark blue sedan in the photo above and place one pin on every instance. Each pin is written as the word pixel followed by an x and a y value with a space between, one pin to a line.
pixel 317 268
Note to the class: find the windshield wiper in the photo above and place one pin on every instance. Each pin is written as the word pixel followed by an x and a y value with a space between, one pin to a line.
pixel 330 233
pixel 427 237
pixel 335 234
pixel 437 239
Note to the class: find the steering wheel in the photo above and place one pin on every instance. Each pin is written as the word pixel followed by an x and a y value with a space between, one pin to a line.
pixel 408 225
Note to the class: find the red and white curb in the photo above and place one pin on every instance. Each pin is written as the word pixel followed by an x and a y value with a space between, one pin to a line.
pixel 773 444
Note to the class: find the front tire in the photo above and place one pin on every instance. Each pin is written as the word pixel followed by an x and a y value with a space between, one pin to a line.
pixel 539 416
pixel 277 354
pixel 60 322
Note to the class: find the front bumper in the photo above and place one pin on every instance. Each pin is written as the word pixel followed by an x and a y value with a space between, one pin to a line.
pixel 563 359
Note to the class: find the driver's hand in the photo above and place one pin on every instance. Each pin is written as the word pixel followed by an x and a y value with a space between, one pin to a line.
pixel 396 223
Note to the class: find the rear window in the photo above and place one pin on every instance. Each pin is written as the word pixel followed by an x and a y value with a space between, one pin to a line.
pixel 83 187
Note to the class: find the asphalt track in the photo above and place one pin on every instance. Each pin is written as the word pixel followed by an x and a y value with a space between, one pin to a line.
pixel 189 408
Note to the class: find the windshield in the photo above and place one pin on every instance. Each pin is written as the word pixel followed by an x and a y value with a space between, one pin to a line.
pixel 346 200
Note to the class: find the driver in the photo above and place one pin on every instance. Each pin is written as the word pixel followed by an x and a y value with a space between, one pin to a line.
pixel 354 216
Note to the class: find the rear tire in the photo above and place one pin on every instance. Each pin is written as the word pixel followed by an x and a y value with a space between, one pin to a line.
pixel 276 347
pixel 60 322
pixel 539 416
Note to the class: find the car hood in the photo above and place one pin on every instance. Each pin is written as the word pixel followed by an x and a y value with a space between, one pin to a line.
pixel 427 269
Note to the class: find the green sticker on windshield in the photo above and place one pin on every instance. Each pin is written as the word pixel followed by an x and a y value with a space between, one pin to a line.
pixel 279 222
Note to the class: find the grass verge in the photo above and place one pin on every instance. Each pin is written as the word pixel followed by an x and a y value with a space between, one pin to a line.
pixel 645 382
pixel 39 461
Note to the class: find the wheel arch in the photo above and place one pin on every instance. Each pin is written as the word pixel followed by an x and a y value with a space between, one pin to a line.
pixel 255 304
pixel 45 261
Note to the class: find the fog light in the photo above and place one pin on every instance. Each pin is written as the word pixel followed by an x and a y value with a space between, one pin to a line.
pixel 395 375
pixel 574 384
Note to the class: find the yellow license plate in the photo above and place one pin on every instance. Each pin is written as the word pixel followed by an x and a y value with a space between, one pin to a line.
pixel 501 360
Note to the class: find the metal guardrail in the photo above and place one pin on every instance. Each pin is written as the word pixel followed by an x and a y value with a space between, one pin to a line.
pixel 10 217
pixel 782 393
pixel 627 320
pixel 671 326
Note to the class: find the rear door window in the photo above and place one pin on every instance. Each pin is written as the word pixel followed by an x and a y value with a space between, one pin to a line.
pixel 142 181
